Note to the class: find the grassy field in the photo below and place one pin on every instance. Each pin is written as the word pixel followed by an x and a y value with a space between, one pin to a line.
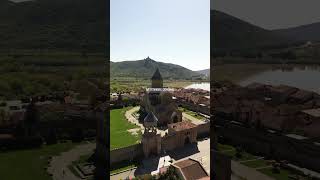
pixel 256 163
pixel 231 151
pixel 119 136
pixel 191 113
pixel 136 84
pixel 28 75
pixel 29 164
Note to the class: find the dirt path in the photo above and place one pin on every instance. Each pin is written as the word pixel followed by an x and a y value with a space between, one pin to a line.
pixel 58 166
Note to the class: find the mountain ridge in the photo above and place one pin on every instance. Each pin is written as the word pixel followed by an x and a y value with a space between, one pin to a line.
pixel 307 32
pixel 146 67
pixel 230 33
pixel 53 24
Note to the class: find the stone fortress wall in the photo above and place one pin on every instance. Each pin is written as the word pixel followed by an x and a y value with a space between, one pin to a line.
pixel 203 130
pixel 304 153
pixel 168 143
pixel 127 153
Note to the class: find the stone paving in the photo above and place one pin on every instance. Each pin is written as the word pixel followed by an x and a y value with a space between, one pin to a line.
pixel 248 173
pixel 58 165
pixel 200 152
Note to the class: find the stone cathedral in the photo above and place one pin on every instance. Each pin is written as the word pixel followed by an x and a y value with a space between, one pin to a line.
pixel 160 102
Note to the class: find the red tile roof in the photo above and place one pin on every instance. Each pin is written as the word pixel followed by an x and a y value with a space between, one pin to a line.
pixel 179 126
pixel 191 169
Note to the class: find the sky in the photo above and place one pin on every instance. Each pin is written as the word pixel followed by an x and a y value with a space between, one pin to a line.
pixel 272 14
pixel 171 31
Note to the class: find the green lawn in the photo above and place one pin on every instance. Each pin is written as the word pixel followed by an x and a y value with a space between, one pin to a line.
pixel 191 113
pixel 256 163
pixel 231 151
pixel 136 84
pixel 283 175
pixel 29 164
pixel 224 147
pixel 119 136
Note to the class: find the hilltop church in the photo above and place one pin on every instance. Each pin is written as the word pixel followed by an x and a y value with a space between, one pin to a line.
pixel 160 102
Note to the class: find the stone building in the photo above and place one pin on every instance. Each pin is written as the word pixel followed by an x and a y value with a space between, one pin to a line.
pixel 190 169
pixel 151 141
pixel 156 80
pixel 278 108
pixel 184 131
pixel 160 102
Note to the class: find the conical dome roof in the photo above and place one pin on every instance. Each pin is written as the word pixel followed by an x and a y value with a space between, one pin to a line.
pixel 150 120
pixel 156 75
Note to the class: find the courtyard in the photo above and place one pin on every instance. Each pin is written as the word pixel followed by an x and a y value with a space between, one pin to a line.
pixel 199 151
pixel 17 164
pixel 246 165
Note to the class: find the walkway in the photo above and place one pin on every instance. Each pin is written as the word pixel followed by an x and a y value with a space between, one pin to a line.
pixel 134 120
pixel 248 173
pixel 131 118
pixel 60 163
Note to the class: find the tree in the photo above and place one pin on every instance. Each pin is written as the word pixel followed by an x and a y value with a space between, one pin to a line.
pixel 170 174
pixel 51 138
pixel 239 152
pixel 77 135
pixel 31 119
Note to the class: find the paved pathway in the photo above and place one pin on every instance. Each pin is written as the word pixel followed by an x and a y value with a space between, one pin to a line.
pixel 248 173
pixel 258 158
pixel 60 163
pixel 131 118
pixel 263 167
pixel 123 175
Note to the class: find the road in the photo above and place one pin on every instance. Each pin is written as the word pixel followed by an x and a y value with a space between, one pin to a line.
pixel 60 163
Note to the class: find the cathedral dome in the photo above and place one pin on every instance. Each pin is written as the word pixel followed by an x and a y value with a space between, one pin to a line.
pixel 150 120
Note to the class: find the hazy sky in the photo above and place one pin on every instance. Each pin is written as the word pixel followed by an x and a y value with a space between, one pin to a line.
pixel 173 31
pixel 272 14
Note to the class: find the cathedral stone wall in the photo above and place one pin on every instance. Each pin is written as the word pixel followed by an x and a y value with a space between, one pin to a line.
pixel 168 142
pixel 126 153
pixel 203 130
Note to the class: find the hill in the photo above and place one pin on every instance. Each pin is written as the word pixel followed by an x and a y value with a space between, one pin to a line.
pixel 53 24
pixel 304 33
pixel 229 33
pixel 146 67
pixel 205 72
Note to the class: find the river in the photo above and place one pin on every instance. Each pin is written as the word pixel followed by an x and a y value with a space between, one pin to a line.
pixel 300 76
pixel 204 86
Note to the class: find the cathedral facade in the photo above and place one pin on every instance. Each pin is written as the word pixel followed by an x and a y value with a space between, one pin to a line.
pixel 160 102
